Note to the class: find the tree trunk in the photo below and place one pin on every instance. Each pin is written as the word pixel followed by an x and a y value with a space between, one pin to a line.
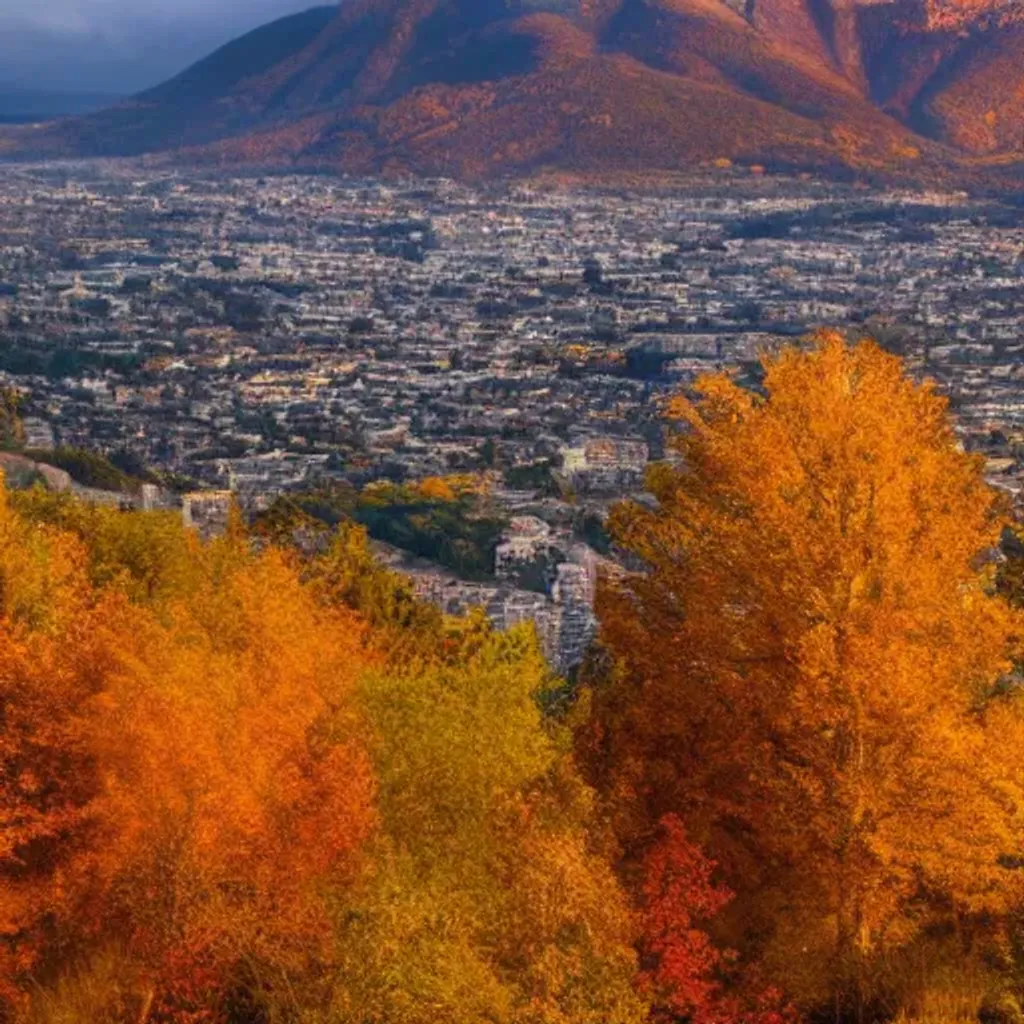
pixel 147 1005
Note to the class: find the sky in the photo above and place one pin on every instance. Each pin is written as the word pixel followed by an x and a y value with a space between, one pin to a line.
pixel 120 46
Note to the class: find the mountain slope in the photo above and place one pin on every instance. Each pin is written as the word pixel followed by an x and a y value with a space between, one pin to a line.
pixel 975 101
pixel 479 88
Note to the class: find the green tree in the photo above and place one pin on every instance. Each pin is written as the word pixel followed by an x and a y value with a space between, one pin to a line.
pixel 12 430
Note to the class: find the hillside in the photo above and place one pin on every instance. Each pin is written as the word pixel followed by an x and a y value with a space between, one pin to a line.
pixel 483 88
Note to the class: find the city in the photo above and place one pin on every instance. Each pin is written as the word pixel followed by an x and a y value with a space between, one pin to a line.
pixel 265 336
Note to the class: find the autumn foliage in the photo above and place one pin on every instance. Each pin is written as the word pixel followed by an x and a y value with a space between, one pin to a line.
pixel 239 785
pixel 179 777
pixel 244 784
pixel 811 673
pixel 679 893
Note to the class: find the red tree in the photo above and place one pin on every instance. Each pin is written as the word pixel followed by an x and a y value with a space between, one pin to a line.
pixel 685 969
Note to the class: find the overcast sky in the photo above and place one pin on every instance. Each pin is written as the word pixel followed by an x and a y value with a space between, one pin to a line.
pixel 120 46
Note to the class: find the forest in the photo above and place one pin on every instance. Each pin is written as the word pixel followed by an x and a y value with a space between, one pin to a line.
pixel 246 783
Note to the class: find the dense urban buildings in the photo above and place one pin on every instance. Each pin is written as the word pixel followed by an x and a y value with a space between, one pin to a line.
pixel 266 336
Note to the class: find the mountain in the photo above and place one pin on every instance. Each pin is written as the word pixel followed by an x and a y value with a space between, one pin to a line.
pixel 925 89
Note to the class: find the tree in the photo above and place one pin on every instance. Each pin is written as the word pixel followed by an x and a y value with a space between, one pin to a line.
pixel 49 661
pixel 223 842
pixel 808 667
pixel 679 894
pixel 404 628
pixel 184 770
pixel 12 431
pixel 687 975
pixel 484 899
pixel 146 556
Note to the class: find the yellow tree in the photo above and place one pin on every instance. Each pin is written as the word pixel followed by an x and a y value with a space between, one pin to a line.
pixel 807 665
pixel 484 899
pixel 12 431
pixel 147 556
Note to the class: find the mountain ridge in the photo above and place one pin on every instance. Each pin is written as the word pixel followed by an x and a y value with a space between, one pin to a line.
pixel 908 89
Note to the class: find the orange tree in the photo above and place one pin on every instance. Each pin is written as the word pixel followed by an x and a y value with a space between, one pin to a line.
pixel 50 659
pixel 183 779
pixel 807 667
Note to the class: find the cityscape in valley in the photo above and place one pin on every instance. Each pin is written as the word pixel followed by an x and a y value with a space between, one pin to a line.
pixel 266 336
pixel 512 512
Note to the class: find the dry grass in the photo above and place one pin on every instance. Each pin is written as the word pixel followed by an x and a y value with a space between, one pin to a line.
pixel 950 993
pixel 102 992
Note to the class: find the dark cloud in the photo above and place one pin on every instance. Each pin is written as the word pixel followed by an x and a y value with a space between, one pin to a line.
pixel 120 46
